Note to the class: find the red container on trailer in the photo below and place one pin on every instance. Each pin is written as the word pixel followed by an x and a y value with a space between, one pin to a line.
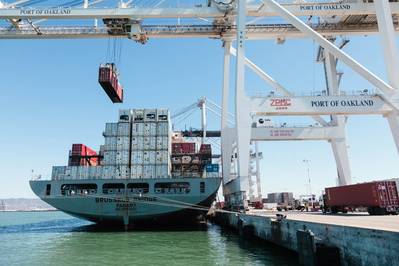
pixel 381 194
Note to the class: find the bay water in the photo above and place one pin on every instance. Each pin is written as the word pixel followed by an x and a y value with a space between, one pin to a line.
pixel 54 238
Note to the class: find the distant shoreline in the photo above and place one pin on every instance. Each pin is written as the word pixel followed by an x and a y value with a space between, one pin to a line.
pixel 49 210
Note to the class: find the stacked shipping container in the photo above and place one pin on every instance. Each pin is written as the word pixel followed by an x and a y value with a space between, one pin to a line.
pixel 186 162
pixel 138 146
pixel 116 160
pixel 76 172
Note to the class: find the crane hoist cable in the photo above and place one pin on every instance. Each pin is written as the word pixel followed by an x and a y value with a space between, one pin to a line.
pixel 114 50
pixel 185 117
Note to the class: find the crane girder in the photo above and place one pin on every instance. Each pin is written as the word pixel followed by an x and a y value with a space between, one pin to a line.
pixel 326 9
pixel 355 18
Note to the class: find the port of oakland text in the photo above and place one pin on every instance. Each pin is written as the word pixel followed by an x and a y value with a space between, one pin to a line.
pixel 343 103
pixel 47 11
pixel 325 7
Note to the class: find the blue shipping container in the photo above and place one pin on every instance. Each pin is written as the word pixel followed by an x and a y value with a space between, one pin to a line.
pixel 212 168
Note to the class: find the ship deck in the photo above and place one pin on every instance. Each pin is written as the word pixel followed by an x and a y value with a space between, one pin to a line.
pixel 360 220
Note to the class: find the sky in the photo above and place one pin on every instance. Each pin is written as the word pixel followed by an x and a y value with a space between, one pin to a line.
pixel 50 98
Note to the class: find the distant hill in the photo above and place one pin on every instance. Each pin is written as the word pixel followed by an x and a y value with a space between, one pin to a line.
pixel 23 204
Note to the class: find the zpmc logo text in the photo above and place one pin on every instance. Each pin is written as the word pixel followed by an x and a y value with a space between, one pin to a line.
pixel 280 102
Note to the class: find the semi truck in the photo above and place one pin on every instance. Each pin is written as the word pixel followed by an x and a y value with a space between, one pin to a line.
pixel 379 198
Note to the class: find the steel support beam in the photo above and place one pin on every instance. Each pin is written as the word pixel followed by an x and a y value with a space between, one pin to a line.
pixel 338 145
pixel 242 112
pixel 226 140
pixel 257 162
pixel 391 56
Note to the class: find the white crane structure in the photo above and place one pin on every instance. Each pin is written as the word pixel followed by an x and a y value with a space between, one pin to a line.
pixel 205 105
pixel 237 22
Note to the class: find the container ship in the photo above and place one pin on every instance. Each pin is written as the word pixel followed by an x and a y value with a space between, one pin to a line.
pixel 143 174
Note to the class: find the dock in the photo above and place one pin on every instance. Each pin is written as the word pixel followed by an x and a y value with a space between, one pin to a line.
pixel 323 239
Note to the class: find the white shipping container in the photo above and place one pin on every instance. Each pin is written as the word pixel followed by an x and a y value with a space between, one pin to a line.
pixel 149 157
pixel 150 115
pixel 138 143
pixel 110 143
pixel 58 172
pixel 162 143
pixel 148 171
pixel 74 172
pixel 95 172
pixel 123 129
pixel 109 158
pixel 137 157
pixel 163 115
pixel 102 149
pixel 122 172
pixel 163 129
pixel 83 172
pixel 150 129
pixel 149 143
pixel 162 157
pixel 122 143
pixel 138 115
pixel 122 157
pixel 108 172
pixel 137 171
pixel 162 171
pixel 124 115
pixel 137 129
pixel 68 171
pixel 111 129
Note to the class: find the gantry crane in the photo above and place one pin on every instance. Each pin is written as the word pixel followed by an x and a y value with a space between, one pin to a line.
pixel 204 105
pixel 236 21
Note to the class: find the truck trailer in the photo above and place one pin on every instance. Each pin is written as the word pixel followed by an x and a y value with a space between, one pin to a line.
pixel 379 197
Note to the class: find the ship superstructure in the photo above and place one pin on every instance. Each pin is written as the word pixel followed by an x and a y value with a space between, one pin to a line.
pixel 143 173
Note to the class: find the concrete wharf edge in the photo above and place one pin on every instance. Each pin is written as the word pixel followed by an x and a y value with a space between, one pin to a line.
pixel 357 245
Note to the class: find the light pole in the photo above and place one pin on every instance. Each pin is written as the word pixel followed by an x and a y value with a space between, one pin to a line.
pixel 310 187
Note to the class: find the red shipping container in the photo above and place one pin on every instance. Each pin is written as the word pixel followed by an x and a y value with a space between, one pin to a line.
pixel 108 79
pixel 183 148
pixel 205 149
pixel 380 194
pixel 80 155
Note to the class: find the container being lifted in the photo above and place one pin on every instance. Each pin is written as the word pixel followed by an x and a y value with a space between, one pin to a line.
pixel 379 197
pixel 108 79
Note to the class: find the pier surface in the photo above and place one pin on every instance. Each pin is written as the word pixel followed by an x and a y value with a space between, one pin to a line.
pixel 361 220
pixel 352 239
